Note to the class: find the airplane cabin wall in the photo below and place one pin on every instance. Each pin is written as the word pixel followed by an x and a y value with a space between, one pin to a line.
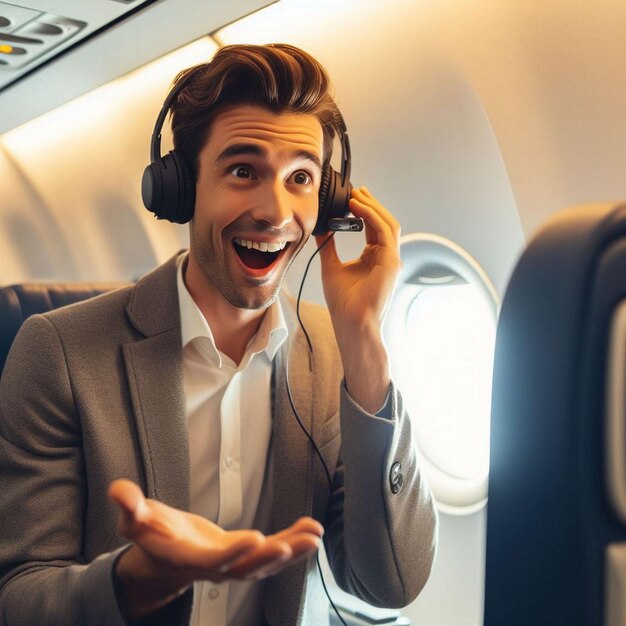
pixel 72 209
pixel 30 240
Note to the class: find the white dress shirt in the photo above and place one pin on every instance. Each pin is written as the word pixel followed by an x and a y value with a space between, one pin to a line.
pixel 229 422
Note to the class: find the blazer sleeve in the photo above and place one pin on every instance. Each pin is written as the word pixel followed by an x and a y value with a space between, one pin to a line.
pixel 380 544
pixel 43 576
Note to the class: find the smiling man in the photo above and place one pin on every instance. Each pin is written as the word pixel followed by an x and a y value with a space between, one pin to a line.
pixel 257 200
pixel 154 469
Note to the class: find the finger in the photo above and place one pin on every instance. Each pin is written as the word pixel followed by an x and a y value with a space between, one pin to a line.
pixel 206 548
pixel 302 525
pixel 309 525
pixel 303 544
pixel 377 231
pixel 365 194
pixel 380 226
pixel 302 547
pixel 267 556
pixel 249 542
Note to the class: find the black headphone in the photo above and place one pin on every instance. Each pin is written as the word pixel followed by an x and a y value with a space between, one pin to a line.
pixel 168 187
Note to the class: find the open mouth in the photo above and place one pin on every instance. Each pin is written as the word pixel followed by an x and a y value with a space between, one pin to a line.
pixel 258 256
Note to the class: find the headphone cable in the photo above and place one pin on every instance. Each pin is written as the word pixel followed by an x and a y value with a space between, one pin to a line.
pixel 297 416
pixel 306 271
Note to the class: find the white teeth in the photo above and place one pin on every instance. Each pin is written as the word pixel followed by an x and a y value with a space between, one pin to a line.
pixel 263 246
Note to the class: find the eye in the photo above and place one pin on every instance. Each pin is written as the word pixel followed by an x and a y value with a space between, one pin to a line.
pixel 241 171
pixel 301 178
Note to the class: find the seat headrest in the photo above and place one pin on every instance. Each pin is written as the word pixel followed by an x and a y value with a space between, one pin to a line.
pixel 18 302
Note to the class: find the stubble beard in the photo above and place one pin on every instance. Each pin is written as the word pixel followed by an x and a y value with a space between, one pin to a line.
pixel 216 272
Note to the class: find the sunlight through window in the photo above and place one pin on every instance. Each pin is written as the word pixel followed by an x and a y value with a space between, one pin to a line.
pixel 441 331
pixel 450 341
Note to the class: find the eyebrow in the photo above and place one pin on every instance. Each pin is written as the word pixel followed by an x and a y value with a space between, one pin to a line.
pixel 309 156
pixel 240 149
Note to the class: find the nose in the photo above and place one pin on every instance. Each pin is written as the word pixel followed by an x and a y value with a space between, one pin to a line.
pixel 275 206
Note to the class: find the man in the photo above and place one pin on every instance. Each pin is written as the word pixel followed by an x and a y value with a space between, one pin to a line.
pixel 177 388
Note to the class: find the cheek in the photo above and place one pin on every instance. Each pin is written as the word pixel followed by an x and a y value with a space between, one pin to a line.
pixel 308 216
pixel 204 231
pixel 210 215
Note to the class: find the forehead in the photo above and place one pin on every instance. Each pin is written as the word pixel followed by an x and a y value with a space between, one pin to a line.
pixel 252 124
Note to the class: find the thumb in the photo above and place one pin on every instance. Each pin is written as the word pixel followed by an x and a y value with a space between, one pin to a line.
pixel 131 501
pixel 327 251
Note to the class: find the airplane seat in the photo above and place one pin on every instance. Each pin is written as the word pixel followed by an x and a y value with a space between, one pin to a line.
pixel 556 518
pixel 17 302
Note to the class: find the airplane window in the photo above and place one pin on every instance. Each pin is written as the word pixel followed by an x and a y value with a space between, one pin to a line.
pixel 441 331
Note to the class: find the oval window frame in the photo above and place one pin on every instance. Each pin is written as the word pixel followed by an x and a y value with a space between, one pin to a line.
pixel 431 260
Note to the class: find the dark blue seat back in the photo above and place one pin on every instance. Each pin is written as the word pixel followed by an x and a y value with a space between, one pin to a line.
pixel 17 302
pixel 549 516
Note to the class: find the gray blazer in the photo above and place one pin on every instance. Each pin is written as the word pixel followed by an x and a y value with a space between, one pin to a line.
pixel 93 392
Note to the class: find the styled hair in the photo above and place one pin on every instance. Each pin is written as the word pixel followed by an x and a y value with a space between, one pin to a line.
pixel 278 77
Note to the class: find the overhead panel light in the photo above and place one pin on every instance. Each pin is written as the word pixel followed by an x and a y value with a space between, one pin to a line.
pixel 29 37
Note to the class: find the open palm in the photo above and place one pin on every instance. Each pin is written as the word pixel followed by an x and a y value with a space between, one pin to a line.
pixel 187 547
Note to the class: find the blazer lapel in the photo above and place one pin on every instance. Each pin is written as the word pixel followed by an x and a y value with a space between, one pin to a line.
pixel 154 372
pixel 291 447
pixel 292 475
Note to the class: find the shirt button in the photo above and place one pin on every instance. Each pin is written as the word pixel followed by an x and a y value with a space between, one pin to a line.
pixel 213 593
pixel 228 462
pixel 396 479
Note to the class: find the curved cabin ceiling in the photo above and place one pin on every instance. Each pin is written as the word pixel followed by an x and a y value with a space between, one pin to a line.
pixel 61 49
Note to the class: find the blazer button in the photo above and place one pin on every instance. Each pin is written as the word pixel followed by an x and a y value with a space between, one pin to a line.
pixel 396 479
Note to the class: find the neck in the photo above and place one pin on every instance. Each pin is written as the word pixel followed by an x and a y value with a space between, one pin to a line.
pixel 231 326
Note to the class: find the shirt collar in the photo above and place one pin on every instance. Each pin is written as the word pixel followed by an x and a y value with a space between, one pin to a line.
pixel 269 338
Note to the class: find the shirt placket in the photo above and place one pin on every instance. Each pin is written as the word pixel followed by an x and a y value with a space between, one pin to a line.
pixel 230 456
pixel 213 597
pixel 213 600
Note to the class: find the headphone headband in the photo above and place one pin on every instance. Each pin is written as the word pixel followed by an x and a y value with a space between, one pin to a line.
pixel 346 156
pixel 155 141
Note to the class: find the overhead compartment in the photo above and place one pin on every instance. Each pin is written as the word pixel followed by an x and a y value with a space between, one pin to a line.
pixel 52 51
pixel 33 33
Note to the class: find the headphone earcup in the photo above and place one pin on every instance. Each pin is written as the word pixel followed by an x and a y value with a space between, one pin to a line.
pixel 333 199
pixel 168 188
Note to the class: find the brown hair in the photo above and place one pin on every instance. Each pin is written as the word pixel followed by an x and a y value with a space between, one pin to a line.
pixel 278 77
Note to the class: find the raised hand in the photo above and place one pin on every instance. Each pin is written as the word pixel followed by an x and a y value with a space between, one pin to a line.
pixel 173 548
pixel 358 293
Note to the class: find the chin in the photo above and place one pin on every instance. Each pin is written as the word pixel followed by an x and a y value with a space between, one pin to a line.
pixel 252 301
